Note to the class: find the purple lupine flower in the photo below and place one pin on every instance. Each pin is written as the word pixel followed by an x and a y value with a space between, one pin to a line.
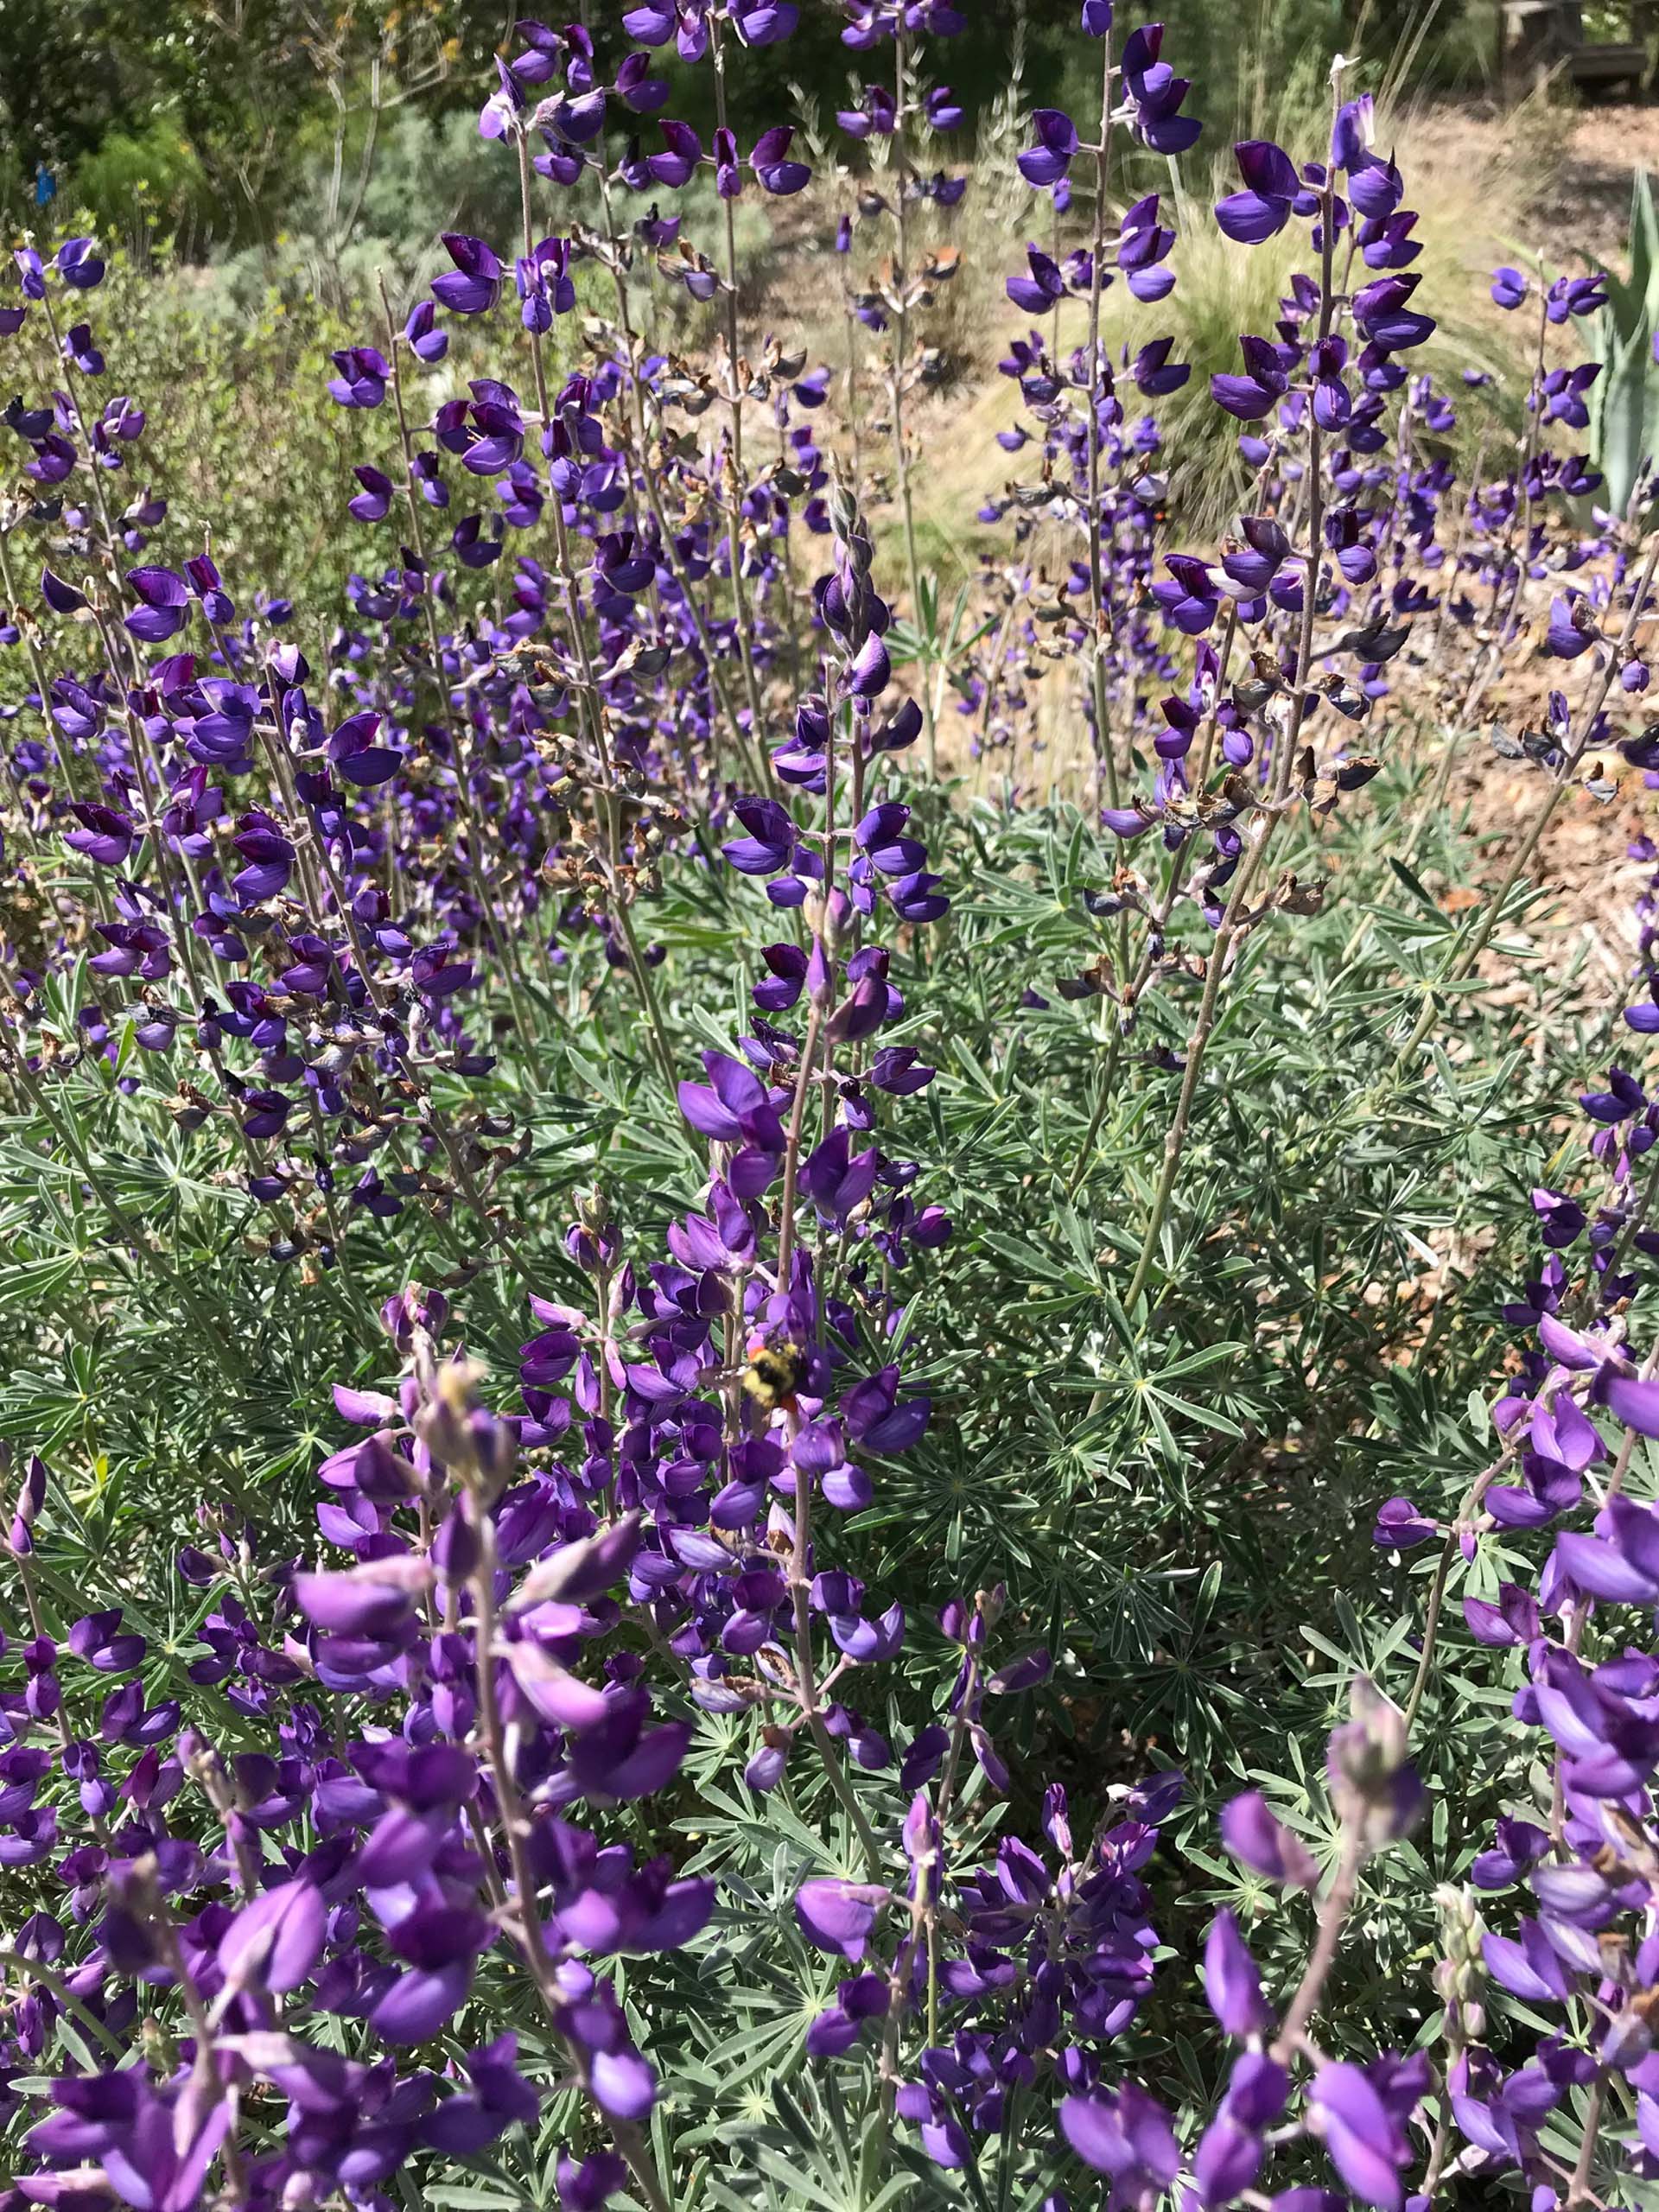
pixel 1231 1985
pixel 1260 211
pixel 1255 393
pixel 441 1945
pixel 683 151
pixel 1037 292
pixel 1156 93
pixel 162 598
pixel 78 263
pixel 1191 599
pixel 1254 1836
pixel 373 502
pixel 105 835
pixel 63 598
pixel 474 285
pixel 274 1943
pixel 1365 2143
pixel 1125 2133
pixel 1573 627
pixel 1143 249
pixel 363 377
pixel 467 2122
pixel 374 1600
pixel 1048 160
pixel 1231 2151
pixel 423 333
pixel 838 1916
pixel 774 172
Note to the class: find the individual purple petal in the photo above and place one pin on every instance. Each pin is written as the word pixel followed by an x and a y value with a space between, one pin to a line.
pixel 1231 1983
pixel 274 1943
pixel 1364 2145
pixel 1633 1400
pixel 421 2001
pixel 1250 1832
pixel 624 2085
pixel 838 1916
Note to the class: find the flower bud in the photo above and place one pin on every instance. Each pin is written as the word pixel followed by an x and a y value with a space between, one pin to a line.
pixel 1376 1788
pixel 843 505
pixel 592 1208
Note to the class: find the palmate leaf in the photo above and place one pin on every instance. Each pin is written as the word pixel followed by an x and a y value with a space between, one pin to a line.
pixel 26 1283
pixel 462 2196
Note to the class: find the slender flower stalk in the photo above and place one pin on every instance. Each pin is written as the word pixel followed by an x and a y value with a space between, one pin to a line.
pixel 1106 779
pixel 733 472
pixel 501 941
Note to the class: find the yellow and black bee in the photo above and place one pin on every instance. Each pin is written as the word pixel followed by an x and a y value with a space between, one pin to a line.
pixel 774 1374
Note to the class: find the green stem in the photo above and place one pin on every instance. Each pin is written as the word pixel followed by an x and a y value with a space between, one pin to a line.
pixel 34 1970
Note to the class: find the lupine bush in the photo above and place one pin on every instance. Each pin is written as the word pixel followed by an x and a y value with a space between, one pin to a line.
pixel 748 1462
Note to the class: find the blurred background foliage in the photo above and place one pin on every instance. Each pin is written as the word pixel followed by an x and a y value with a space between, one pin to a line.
pixel 256 166
pixel 215 126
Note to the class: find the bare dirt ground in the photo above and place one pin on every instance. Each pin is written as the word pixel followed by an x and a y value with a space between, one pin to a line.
pixel 1576 164
pixel 1586 194
pixel 1578 167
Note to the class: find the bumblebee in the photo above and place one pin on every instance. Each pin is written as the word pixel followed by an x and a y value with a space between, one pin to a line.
pixel 774 1374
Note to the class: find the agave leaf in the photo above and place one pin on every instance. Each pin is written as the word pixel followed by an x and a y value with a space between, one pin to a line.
pixel 1644 238
pixel 1624 402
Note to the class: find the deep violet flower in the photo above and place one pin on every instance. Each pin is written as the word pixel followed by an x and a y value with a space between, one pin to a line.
pixel 473 286
pixel 1260 211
